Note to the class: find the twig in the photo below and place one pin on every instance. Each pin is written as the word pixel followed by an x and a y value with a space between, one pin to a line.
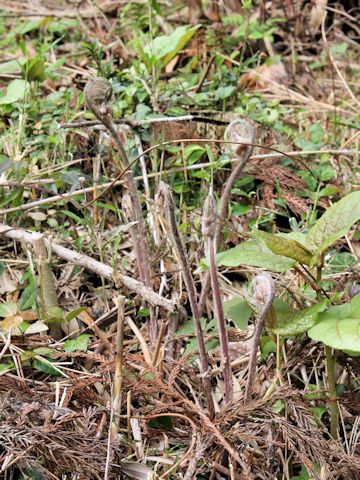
pixel 165 201
pixel 263 296
pixel 138 123
pixel 95 266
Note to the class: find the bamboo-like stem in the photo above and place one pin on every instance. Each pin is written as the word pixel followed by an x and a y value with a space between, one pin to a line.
pixel 118 367
pixel 49 297
pixel 164 200
pixel 208 231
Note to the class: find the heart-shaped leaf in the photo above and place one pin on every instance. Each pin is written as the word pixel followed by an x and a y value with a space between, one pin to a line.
pixel 335 223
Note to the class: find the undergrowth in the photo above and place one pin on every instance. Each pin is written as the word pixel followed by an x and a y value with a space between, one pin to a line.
pixel 201 193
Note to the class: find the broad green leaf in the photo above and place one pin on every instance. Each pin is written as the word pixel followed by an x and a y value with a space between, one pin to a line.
pixel 340 334
pixel 14 92
pixel 165 47
pixel 7 309
pixel 254 254
pixel 237 310
pixel 335 223
pixel 284 246
pixel 339 327
pixel 301 321
pixel 355 306
pixel 79 344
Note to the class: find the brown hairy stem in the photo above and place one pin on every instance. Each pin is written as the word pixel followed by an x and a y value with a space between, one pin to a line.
pixel 98 92
pixel 208 231
pixel 164 201
pixel 263 296
pixel 242 134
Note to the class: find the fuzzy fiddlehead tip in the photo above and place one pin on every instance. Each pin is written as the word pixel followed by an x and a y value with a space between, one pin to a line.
pixel 98 92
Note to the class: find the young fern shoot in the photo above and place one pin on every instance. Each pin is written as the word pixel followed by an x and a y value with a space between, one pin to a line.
pixel 164 201
pixel 263 295
pixel 208 231
pixel 243 132
pixel 98 92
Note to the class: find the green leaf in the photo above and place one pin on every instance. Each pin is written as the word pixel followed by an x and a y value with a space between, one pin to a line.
pixel 304 475
pixel 237 310
pixel 302 320
pixel 8 309
pixel 44 351
pixel 12 66
pixel 80 344
pixel 54 313
pixel 45 367
pixel 2 268
pixel 224 92
pixel 267 346
pixel 34 69
pixel 188 328
pixel 278 406
pixel 284 246
pixel 74 313
pixel 335 223
pixel 6 367
pixel 194 153
pixel 254 254
pixel 14 92
pixel 339 327
pixel 144 312
pixel 165 47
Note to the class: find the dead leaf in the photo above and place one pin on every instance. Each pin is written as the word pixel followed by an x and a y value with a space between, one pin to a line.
pixel 264 76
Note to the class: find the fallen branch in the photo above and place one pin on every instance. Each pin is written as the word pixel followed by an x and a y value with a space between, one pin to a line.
pixel 93 265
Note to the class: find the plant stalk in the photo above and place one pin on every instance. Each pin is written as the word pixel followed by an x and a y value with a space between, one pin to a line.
pixel 164 201
pixel 208 231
